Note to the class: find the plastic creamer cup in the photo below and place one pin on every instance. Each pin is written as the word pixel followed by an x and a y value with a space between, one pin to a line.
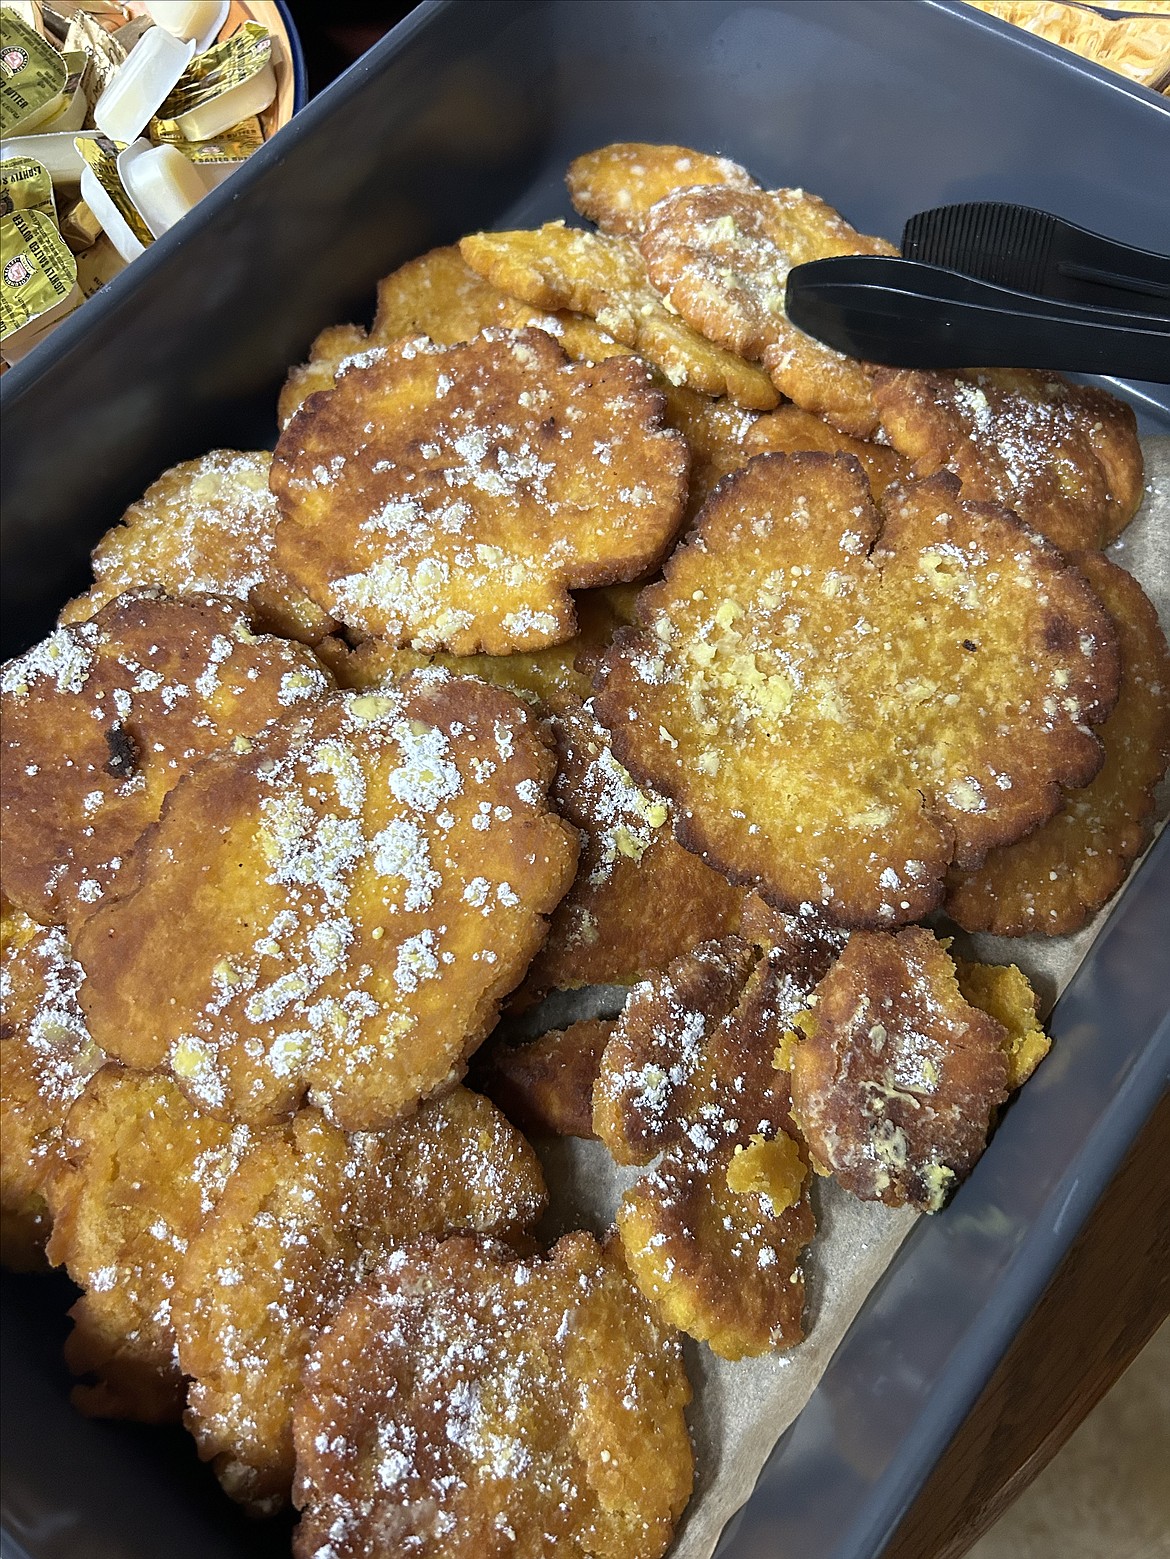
pixel 196 19
pixel 161 182
pixel 151 70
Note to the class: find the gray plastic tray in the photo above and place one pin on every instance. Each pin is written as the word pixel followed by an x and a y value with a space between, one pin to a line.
pixel 465 116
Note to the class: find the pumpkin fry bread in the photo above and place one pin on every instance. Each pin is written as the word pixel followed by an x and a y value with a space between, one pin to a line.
pixel 205 527
pixel 545 1085
pixel 842 702
pixel 713 1233
pixel 369 884
pixel 307 1213
pixel 1003 992
pixel 557 267
pixel 1063 457
pixel 328 351
pixel 896 1076
pixel 46 1059
pixel 142 1170
pixel 612 927
pixel 789 430
pixel 103 718
pixel 464 1402
pixel 1053 880
pixel 439 296
pixel 545 678
pixel 616 185
pixel 721 257
pixel 495 477
pixel 639 898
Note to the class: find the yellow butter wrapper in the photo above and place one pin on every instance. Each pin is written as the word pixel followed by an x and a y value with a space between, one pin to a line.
pixel 32 75
pixel 25 185
pixel 87 35
pixel 38 275
pixel 79 227
pixel 98 265
pixel 216 70
pixel 101 154
pixel 234 145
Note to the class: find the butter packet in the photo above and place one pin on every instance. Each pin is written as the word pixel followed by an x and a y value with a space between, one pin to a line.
pixel 74 103
pixel 229 82
pixel 105 56
pixel 32 76
pixel 103 192
pixel 217 158
pixel 98 265
pixel 38 281
pixel 80 228
pixel 25 185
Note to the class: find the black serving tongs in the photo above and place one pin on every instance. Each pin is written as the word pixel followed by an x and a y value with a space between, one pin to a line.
pixel 997 286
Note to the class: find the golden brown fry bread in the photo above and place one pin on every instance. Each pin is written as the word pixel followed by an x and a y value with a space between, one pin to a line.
pixel 465 1403
pixel 789 430
pixel 639 898
pixel 328 351
pixel 1064 457
pixel 308 1212
pixel 557 267
pixel 1053 880
pixel 897 1078
pixel 144 1169
pixel 341 911
pixel 440 296
pixel 841 702
pixel 1003 992
pixel 545 1085
pixel 548 677
pixel 46 1059
pixel 103 718
pixel 616 185
pixel 714 1232
pixel 721 257
pixel 450 497
pixel 205 527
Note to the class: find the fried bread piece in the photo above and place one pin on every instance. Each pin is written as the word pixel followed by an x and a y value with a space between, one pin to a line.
pixel 143 1169
pixel 616 185
pixel 103 718
pixel 639 899
pixel 463 1403
pixel 714 1232
pixel 896 1078
pixel 340 911
pixel 450 497
pixel 557 267
pixel 1056 878
pixel 308 1212
pixel 46 1059
pixel 841 702
pixel 329 350
pixel 1064 457
pixel 546 678
pixel 1003 992
pixel 439 296
pixel 204 528
pixel 721 257
pixel 789 430
pixel 545 1085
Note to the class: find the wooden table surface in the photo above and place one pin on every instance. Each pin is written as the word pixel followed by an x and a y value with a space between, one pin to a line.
pixel 1113 1289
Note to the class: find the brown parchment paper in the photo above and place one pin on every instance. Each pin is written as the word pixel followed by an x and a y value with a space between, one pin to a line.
pixel 740 1410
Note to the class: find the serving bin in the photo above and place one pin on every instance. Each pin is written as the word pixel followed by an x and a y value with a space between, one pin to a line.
pixel 465 116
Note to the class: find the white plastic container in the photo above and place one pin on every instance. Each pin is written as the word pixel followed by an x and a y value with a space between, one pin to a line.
pixel 137 89
pixel 163 184
pixel 196 19
pixel 56 150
